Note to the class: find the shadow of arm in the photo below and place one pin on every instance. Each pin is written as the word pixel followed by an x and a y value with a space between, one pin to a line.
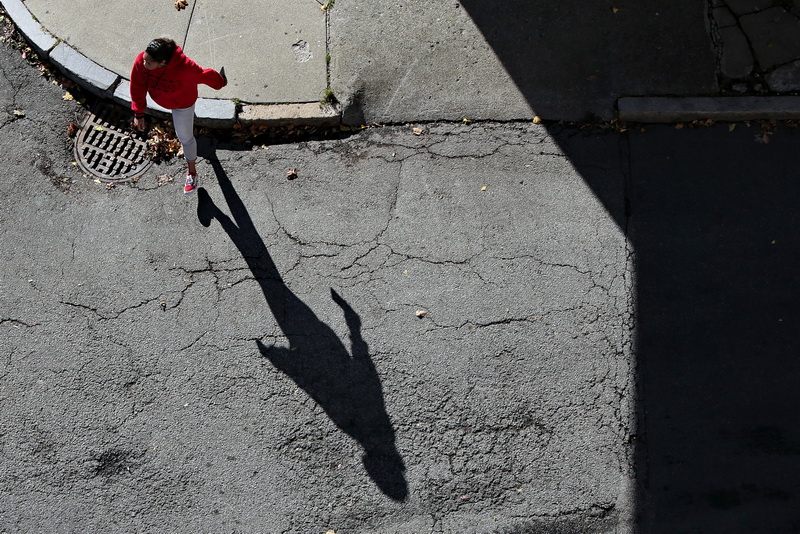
pixel 358 347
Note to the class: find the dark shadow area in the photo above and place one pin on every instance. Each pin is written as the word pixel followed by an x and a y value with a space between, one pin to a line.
pixel 572 60
pixel 344 384
pixel 713 218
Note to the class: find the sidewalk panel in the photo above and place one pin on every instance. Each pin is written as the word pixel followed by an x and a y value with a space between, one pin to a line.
pixel 111 33
pixel 272 51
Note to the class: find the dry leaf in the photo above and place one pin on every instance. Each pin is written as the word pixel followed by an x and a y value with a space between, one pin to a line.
pixel 731 127
pixel 537 120
pixel 181 4
pixel 418 131
pixel 422 313
pixel 72 129
pixel 67 96
pixel 291 174
pixel 483 188
pixel 615 10
pixel 18 113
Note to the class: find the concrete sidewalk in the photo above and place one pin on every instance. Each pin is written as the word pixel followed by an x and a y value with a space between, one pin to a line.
pixel 390 63
pixel 274 53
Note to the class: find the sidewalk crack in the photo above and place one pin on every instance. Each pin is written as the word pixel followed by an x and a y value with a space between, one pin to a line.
pixel 189 25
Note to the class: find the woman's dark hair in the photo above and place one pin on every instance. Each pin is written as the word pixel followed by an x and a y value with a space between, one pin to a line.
pixel 161 49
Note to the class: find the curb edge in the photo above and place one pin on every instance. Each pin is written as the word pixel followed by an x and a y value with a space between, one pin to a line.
pixel 655 109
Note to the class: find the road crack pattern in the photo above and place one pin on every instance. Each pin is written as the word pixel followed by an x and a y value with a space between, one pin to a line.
pixel 134 389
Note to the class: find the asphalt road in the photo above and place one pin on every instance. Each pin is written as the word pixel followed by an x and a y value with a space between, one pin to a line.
pixel 608 336
pixel 251 359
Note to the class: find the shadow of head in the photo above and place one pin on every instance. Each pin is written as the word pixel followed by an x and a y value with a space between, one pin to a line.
pixel 388 473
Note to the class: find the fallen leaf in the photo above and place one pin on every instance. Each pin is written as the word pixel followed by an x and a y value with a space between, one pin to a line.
pixel 99 128
pixel 291 174
pixel 418 131
pixel 422 313
pixel 731 127
pixel 615 10
pixel 679 126
pixel 181 4
pixel 405 271
pixel 72 129
pixel 591 77
pixel 466 120
pixel 18 113
pixel 537 120
pixel 483 188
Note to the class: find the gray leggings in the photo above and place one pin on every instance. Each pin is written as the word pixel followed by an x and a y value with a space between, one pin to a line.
pixel 183 119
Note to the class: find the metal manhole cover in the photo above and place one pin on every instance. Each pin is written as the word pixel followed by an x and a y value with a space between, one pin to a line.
pixel 107 148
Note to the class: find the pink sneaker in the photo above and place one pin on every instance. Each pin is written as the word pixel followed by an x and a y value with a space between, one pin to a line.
pixel 191 184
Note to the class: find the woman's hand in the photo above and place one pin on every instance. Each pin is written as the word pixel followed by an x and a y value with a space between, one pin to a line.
pixel 138 123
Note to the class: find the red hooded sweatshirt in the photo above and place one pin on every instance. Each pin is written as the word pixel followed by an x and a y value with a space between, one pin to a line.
pixel 173 86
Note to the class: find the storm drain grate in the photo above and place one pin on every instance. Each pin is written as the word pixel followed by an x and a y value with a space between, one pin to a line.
pixel 107 148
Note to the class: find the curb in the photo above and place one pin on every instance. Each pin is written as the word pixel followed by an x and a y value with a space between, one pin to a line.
pixel 209 112
pixel 725 108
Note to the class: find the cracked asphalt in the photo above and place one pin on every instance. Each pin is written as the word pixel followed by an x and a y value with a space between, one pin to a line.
pixel 252 360
pixel 500 328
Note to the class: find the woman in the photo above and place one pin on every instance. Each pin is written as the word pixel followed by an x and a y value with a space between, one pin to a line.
pixel 171 78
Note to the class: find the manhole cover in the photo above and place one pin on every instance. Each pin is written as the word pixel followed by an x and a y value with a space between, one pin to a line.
pixel 107 148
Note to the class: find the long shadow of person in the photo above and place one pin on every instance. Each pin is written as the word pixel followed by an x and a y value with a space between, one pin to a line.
pixel 345 385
